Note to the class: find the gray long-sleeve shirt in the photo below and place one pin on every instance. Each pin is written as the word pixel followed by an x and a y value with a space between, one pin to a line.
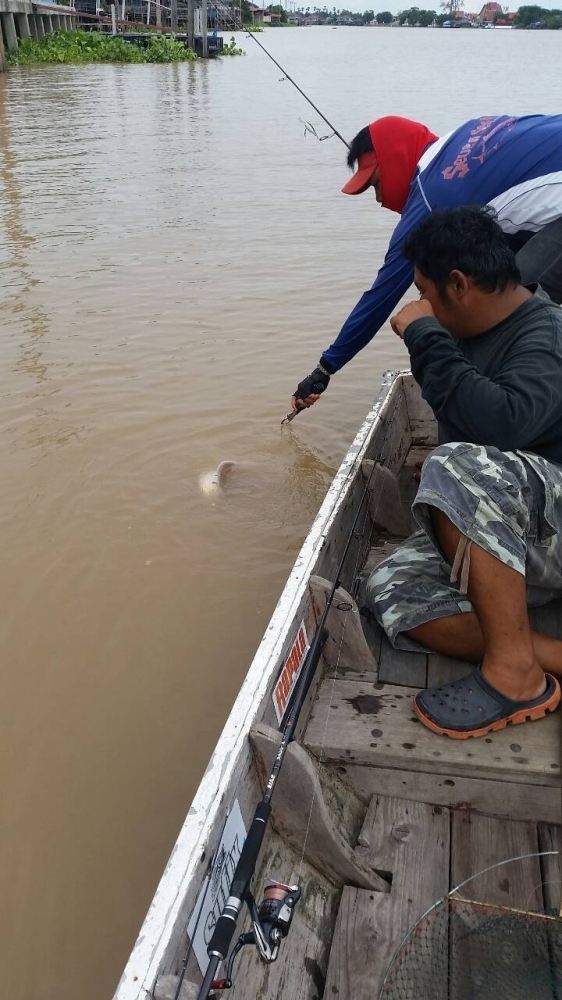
pixel 503 387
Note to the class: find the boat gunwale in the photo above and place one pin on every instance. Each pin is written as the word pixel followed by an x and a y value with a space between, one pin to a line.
pixel 231 752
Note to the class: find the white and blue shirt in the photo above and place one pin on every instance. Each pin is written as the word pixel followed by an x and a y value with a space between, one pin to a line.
pixel 511 164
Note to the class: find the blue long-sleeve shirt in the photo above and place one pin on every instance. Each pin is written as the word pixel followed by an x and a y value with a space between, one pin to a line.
pixel 512 164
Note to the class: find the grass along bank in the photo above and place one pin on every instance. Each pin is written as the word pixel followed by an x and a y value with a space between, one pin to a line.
pixel 94 46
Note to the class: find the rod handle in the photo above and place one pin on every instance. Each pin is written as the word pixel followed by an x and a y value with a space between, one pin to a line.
pixel 225 926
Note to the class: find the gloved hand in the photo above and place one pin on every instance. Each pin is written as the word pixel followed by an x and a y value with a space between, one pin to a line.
pixel 311 388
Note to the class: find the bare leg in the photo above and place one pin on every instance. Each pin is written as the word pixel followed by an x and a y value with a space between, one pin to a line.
pixel 498 595
pixel 461 636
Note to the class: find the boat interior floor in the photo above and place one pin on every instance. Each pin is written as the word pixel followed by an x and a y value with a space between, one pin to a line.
pixel 439 810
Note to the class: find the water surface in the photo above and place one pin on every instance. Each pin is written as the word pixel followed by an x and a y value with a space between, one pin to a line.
pixel 176 255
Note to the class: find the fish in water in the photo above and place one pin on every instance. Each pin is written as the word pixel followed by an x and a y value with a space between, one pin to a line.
pixel 213 482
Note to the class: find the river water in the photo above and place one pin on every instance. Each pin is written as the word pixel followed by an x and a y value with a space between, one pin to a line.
pixel 176 254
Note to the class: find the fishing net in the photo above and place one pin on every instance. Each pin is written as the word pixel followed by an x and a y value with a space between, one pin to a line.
pixel 466 950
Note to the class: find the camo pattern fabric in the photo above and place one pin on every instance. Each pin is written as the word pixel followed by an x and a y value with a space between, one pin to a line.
pixel 509 503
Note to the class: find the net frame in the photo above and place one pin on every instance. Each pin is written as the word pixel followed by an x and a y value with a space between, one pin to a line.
pixel 459 906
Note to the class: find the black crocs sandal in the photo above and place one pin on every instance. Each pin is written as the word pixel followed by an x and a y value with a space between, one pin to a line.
pixel 472 707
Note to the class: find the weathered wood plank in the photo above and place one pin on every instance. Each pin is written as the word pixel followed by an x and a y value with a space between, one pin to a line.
pixel 548 618
pixel 398 666
pixel 478 844
pixel 385 499
pixel 375 726
pixel 167 989
pixel 377 553
pixel 550 839
pixel 315 813
pixel 423 425
pixel 393 446
pixel 412 841
pixel 525 802
pixel 300 970
pixel 346 648
pixel 444 669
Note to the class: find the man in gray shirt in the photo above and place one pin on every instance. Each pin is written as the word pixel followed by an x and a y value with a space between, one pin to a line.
pixel 487 354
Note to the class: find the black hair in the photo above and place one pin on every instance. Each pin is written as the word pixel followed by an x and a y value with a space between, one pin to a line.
pixel 466 239
pixel 360 144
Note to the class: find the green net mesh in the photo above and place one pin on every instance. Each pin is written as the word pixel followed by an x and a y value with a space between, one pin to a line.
pixel 461 950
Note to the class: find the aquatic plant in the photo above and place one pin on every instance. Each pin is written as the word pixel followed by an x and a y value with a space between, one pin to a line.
pixel 94 46
pixel 231 48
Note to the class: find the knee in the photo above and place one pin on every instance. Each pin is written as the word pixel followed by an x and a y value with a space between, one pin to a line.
pixel 453 456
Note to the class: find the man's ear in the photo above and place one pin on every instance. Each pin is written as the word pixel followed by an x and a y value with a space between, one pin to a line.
pixel 458 284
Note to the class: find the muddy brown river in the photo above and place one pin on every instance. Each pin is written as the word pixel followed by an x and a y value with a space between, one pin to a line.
pixel 175 256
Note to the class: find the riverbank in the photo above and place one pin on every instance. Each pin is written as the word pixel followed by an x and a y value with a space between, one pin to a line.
pixel 95 47
pixel 75 47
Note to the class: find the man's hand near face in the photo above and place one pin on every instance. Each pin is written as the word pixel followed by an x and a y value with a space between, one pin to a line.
pixel 410 312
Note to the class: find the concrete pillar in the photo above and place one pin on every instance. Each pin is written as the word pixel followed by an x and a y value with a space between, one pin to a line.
pixel 10 34
pixel 32 21
pixel 3 64
pixel 204 52
pixel 22 23
pixel 48 22
pixel 39 26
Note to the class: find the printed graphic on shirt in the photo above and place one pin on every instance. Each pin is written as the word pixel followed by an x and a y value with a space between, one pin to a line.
pixel 483 140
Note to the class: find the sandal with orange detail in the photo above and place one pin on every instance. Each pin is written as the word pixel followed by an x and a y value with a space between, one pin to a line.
pixel 472 707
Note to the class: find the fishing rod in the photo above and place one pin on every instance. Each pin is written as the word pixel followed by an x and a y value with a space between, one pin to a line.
pixel 300 90
pixel 271 921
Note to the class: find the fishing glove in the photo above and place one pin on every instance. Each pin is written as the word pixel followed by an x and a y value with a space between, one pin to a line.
pixel 315 383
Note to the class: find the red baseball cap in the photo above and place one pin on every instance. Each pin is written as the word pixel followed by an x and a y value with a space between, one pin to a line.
pixel 366 165
pixel 397 144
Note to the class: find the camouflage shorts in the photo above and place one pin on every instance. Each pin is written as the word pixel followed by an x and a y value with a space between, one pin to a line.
pixel 509 503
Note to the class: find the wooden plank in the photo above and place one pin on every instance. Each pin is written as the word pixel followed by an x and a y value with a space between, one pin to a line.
pixel 480 937
pixel 299 972
pixel 346 648
pixel 412 841
pixel 479 842
pixel 375 726
pixel 526 802
pixel 378 552
pixel 548 618
pixel 423 425
pixel 386 508
pixel 392 448
pixel 398 666
pixel 444 669
pixel 315 812
pixel 550 839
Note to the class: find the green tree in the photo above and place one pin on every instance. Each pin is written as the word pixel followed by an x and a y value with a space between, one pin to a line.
pixel 385 17
pixel 426 17
pixel 529 15
pixel 276 8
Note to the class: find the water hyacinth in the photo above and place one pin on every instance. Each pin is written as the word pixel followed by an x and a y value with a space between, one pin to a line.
pixel 94 46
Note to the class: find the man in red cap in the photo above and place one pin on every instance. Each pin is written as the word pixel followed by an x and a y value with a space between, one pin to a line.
pixel 512 164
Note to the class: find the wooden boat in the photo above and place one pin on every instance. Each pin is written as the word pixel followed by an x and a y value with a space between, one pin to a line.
pixel 374 817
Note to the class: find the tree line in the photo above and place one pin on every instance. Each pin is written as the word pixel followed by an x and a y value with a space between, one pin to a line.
pixel 531 16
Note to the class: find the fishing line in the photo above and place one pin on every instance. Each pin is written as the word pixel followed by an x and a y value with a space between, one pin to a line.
pixel 287 76
pixel 301 91
pixel 240 893
pixel 376 462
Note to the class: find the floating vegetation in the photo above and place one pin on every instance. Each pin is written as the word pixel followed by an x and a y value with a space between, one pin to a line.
pixel 231 48
pixel 98 47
